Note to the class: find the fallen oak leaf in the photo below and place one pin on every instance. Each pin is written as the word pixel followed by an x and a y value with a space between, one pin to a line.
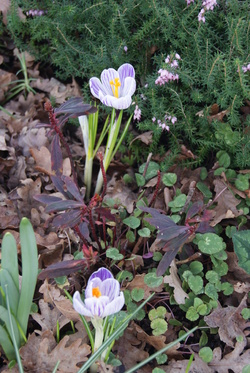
pixel 174 281
pixel 41 354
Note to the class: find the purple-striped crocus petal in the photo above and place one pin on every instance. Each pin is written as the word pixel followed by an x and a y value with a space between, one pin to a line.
pixel 97 306
pixel 110 288
pixel 117 103
pixel 115 306
pixel 126 70
pixel 106 76
pixel 79 305
pixel 102 274
pixel 96 87
pixel 129 87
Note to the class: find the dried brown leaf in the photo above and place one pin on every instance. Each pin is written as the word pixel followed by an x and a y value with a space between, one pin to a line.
pixel 174 281
pixel 230 322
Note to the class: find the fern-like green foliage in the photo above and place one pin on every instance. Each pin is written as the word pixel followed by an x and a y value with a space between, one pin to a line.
pixel 81 38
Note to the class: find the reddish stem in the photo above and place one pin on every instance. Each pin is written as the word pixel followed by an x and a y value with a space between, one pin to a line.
pixel 104 190
pixel 54 124
pixel 156 188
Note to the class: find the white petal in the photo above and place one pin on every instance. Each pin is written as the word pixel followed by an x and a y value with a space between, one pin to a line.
pixel 117 103
pixel 96 306
pixel 94 283
pixel 110 288
pixel 96 87
pixel 79 305
pixel 115 306
pixel 129 87
pixel 106 77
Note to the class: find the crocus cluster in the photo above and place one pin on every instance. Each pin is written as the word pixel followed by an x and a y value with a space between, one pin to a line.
pixel 36 12
pixel 166 75
pixel 246 68
pixel 137 113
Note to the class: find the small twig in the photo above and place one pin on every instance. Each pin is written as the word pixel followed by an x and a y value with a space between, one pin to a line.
pixel 156 188
pixel 104 190
pixel 189 196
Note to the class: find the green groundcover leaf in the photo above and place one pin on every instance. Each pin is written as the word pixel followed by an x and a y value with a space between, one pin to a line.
pixel 241 241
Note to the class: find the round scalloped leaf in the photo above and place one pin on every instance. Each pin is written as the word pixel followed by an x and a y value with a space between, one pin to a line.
pixel 137 294
pixel 210 243
pixel 140 180
pixel 211 291
pixel 152 169
pixel 156 313
pixel 212 276
pixel 159 370
pixel 144 232
pixel 206 354
pixel 192 314
pixel 195 283
pixel 196 267
pixel 132 222
pixel 159 326
pixel 152 280
pixel 161 359
pixel 169 179
pixel 242 182
pixel 114 254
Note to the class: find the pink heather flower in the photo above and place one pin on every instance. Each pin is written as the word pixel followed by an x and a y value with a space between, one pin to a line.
pixel 189 2
pixel 137 113
pixel 174 63
pixel 167 59
pixel 146 85
pixel 102 296
pixel 173 120
pixel 177 56
pixel 153 119
pixel 201 16
pixel 246 68
pixel 209 4
pixel 125 49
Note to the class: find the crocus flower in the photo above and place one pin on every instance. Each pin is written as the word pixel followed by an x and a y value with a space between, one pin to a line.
pixel 115 88
pixel 102 296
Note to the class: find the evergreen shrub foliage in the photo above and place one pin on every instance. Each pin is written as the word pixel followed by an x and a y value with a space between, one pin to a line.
pixel 81 38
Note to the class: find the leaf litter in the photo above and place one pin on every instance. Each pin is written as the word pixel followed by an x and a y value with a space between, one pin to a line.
pixel 25 170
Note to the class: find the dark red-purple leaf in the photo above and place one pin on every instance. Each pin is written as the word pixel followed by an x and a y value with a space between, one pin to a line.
pixel 45 198
pixel 75 106
pixel 59 184
pixel 72 188
pixel 62 205
pixel 104 211
pixel 83 226
pixel 172 247
pixel 56 156
pixel 62 269
pixel 67 219
pixel 195 209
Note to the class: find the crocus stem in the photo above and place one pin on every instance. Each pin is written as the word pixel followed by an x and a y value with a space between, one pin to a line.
pixel 99 334
pixel 112 137
pixel 88 174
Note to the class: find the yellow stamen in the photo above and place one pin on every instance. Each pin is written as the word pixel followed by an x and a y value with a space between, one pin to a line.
pixel 96 292
pixel 114 86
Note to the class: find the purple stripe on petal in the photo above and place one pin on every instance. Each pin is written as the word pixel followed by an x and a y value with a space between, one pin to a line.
pixel 117 103
pixel 106 77
pixel 115 306
pixel 126 70
pixel 102 274
pixel 129 87
pixel 96 87
pixel 110 288
pixel 96 306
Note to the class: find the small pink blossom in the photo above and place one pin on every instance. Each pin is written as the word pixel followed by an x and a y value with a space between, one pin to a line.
pixel 137 113
pixel 125 49
pixel 177 56
pixel 153 119
pixel 201 16
pixel 173 120
pixel 246 68
pixel 189 2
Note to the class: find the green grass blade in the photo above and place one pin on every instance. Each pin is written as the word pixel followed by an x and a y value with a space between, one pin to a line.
pixel 29 272
pixel 6 344
pixel 9 257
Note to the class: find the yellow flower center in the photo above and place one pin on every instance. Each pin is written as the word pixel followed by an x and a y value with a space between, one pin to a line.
pixel 96 292
pixel 114 86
